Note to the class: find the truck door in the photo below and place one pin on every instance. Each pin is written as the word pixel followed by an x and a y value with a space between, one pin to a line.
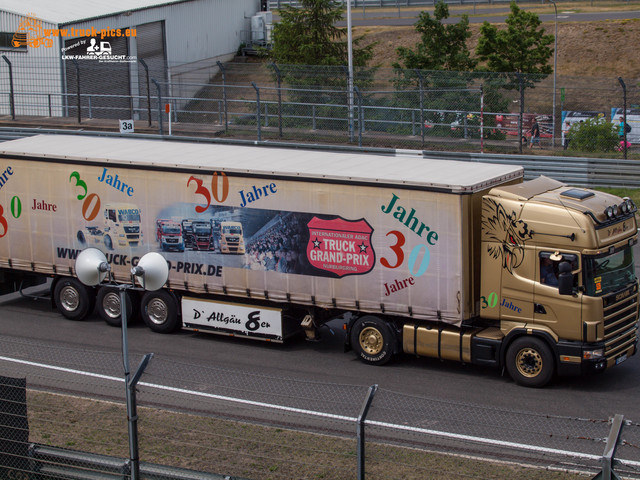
pixel 516 299
pixel 561 313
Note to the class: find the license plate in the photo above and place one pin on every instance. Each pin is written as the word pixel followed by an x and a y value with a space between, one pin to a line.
pixel 621 359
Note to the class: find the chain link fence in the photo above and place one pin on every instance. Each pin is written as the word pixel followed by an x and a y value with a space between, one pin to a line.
pixel 412 109
pixel 376 5
pixel 199 421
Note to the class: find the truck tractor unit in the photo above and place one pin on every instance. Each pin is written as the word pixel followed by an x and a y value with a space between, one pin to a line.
pixel 121 227
pixel 231 238
pixel 456 261
pixel 169 236
pixel 202 235
pixel 187 233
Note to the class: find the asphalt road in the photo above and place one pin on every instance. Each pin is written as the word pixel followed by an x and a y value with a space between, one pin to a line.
pixel 318 376
pixel 616 391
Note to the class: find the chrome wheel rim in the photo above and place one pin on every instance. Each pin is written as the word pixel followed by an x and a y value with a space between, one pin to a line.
pixel 69 298
pixel 157 311
pixel 111 305
pixel 371 340
pixel 529 362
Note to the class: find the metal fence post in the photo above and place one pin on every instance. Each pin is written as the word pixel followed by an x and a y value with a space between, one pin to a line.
pixel 224 95
pixel 277 70
pixel 521 88
pixel 421 83
pixel 258 118
pixel 349 103
pixel 11 97
pixel 146 70
pixel 624 115
pixel 159 104
pixel 75 63
pixel 481 118
pixel 413 123
pixel 613 440
pixel 360 115
pixel 360 435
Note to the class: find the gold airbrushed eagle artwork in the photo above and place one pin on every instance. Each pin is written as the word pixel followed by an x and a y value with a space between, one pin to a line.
pixel 507 232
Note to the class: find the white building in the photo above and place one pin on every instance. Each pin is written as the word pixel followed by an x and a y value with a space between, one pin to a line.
pixel 180 41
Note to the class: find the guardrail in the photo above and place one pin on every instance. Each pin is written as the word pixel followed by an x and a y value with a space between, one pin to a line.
pixel 578 171
pixel 53 462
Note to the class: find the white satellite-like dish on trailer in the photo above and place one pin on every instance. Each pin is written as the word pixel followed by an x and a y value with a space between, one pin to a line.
pixel 152 271
pixel 92 266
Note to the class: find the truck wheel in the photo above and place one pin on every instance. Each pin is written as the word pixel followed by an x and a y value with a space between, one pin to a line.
pixel 74 300
pixel 108 243
pixel 373 340
pixel 530 362
pixel 108 301
pixel 81 238
pixel 159 311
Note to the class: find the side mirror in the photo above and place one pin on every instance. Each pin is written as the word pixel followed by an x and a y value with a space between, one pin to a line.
pixel 565 279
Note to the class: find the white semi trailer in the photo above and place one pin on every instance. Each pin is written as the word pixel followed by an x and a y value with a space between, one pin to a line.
pixel 452 260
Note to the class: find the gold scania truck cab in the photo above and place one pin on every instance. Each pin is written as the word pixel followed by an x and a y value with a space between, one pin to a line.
pixel 557 263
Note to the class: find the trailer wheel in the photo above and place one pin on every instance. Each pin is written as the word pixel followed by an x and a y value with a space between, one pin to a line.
pixel 159 311
pixel 530 362
pixel 373 340
pixel 74 300
pixel 108 243
pixel 108 301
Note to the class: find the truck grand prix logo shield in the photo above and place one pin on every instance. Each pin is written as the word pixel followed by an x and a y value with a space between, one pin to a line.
pixel 341 247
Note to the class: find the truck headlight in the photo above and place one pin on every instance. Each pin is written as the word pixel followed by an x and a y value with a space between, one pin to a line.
pixel 593 354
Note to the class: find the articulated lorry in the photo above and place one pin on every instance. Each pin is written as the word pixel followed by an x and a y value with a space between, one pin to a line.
pixel 231 237
pixel 450 260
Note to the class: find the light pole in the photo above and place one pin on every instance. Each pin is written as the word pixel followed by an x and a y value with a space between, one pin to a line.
pixel 350 66
pixel 555 69
pixel 152 272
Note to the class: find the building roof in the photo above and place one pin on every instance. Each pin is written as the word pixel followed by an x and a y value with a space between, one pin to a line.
pixel 66 11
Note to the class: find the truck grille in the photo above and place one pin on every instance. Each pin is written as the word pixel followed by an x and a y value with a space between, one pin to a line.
pixel 620 321
pixel 135 229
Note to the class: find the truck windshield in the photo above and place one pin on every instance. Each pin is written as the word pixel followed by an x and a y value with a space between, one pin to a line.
pixel 608 273
pixel 202 229
pixel 171 229
pixel 233 230
pixel 129 216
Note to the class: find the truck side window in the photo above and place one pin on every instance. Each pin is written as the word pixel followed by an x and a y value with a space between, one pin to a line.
pixel 112 215
pixel 548 270
pixel 549 262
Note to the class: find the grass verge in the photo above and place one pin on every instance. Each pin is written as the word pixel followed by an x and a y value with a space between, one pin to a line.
pixel 246 450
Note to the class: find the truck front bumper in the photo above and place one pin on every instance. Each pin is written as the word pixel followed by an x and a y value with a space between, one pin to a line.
pixel 571 359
